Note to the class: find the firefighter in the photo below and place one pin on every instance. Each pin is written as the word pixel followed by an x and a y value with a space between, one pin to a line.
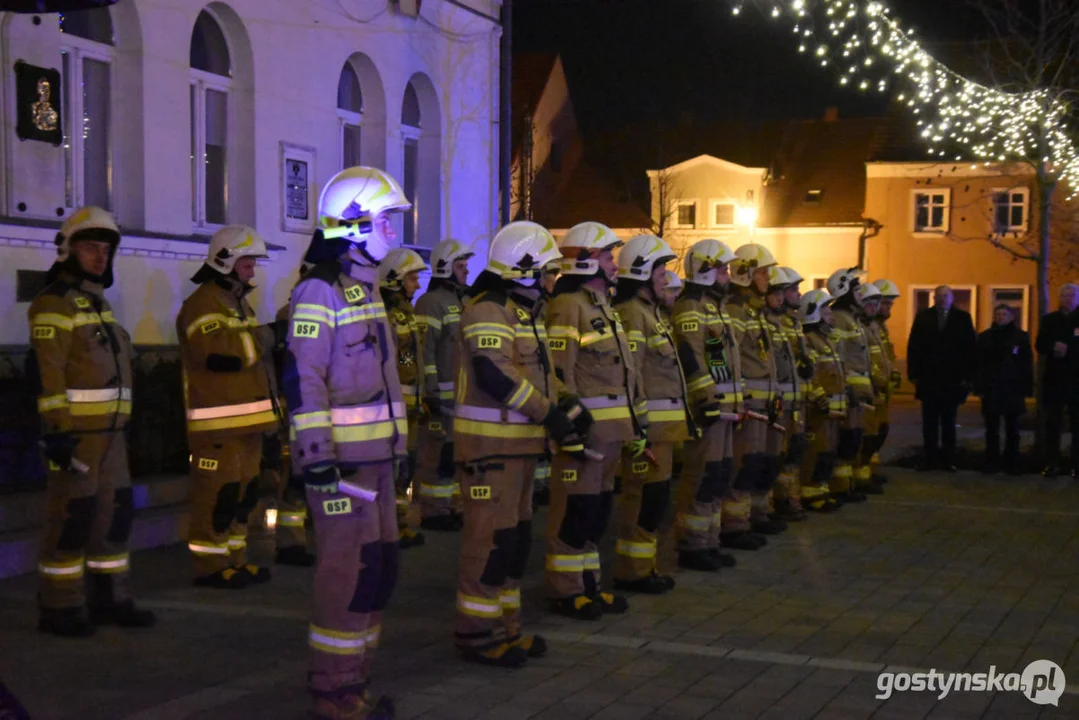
pixel 438 313
pixel 889 292
pixel 671 293
pixel 763 400
pixel 827 401
pixel 81 358
pixel 867 302
pixel 646 478
pixel 349 426
pixel 506 393
pixel 705 338
pixel 853 348
pixel 230 406
pixel 399 279
pixel 541 491
pixel 594 367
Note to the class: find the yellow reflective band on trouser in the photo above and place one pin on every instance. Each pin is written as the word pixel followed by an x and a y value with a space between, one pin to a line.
pixel 108 563
pixel 479 606
pixel 700 523
pixel 642 550
pixel 462 426
pixel 842 472
pixel 436 491
pixel 565 563
pixel 858 380
pixel 61 568
pixel 237 542
pixel 372 431
pixel 90 409
pixel 863 473
pixel 336 642
pixel 291 519
pixel 207 548
pixel 591 561
pixel 511 599
pixel 52 402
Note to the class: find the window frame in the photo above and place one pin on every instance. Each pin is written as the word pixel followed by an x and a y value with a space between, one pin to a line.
pixel 912 295
pixel 712 205
pixel 946 216
pixel 991 289
pixel 993 206
pixel 202 81
pixel 413 134
pixel 676 206
pixel 345 119
pixel 79 49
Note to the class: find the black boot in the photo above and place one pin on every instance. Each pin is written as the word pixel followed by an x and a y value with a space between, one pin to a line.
pixel 648 585
pixel 771 526
pixel 443 523
pixel 505 655
pixel 69 622
pixel 578 607
pixel 295 555
pixel 758 538
pixel 738 541
pixel 613 604
pixel 227 579
pixel 725 559
pixel 853 496
pixel 122 614
pixel 701 560
pixel 255 575
pixel 534 645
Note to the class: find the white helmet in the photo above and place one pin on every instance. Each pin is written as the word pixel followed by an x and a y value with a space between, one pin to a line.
pixel 674 282
pixel 350 203
pixel 95 222
pixel 231 243
pixel 704 259
pixel 793 276
pixel 520 251
pixel 812 303
pixel 445 254
pixel 865 293
pixel 641 254
pixel 888 289
pixel 398 263
pixel 841 281
pixel 777 278
pixel 580 242
pixel 747 259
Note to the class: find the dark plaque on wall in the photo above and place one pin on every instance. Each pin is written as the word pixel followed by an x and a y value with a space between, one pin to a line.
pixel 37 93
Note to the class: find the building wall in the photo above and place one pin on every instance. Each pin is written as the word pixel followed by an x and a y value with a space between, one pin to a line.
pixel 287 58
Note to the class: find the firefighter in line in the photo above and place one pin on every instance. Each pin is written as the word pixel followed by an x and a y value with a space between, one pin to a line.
pixel 867 298
pixel 230 406
pixel 541 492
pixel 763 401
pixel 889 293
pixel 506 407
pixel 594 368
pixel 853 348
pixel 708 353
pixel 81 359
pixel 438 314
pixel 670 293
pixel 349 426
pixel 827 402
pixel 399 279
pixel 646 479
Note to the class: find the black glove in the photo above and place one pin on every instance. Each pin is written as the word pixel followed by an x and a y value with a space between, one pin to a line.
pixel 433 405
pixel 60 448
pixel 323 478
pixel 559 425
pixel 805 369
pixel 577 413
pixel 573 445
pixel 280 332
pixel 445 460
pixel 709 412
pixel 271 451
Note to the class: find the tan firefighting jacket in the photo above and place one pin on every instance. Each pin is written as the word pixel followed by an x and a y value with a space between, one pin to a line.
pixel 410 351
pixel 505 382
pixel 888 357
pixel 592 361
pixel 708 349
pixel 758 366
pixel 438 314
pixel 829 376
pixel 83 357
pixel 222 350
pixel 655 355
pixel 853 346
pixel 879 367
pixel 787 347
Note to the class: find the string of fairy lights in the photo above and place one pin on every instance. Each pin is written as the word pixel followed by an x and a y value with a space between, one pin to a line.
pixel 867 46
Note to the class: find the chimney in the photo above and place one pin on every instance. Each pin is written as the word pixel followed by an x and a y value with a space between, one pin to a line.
pixel 831 114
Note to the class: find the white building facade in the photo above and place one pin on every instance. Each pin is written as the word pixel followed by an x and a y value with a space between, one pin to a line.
pixel 181 116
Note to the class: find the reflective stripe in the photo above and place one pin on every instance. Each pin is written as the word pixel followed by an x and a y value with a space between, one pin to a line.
pixel 237 542
pixel 471 412
pixel 565 563
pixel 62 568
pixel 603 401
pixel 249 349
pixel 499 330
pixel 497 429
pixel 567 332
pixel 103 408
pixel 521 395
pixel 591 338
pixel 436 491
pixel 370 431
pixel 108 563
pixel 511 599
pixel 543 471
pixel 863 473
pixel 451 318
pixel 663 404
pixel 95 396
pixel 445 394
pixel 313 313
pixel 429 321
pixel 729 387
pixel 591 561
pixel 658 340
pixel 207 548
pixel 642 550
pixel 361 414
pixel 52 402
pixel 363 313
pixel 342 643
pixel 697 522
pixel 758 385
pixel 291 519
pixel 661 416
pixel 430 370
pixel 635 336
pixel 55 319
pixel 700 383
pixel 307 421
pixel 230 411
pixel 842 472
pixel 856 379
pixel 478 606
pixel 717 519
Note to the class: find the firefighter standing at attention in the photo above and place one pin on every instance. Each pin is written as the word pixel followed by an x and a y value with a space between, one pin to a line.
pixel 438 313
pixel 889 293
pixel 827 402
pixel 230 406
pixel 506 407
pixel 82 359
pixel 349 426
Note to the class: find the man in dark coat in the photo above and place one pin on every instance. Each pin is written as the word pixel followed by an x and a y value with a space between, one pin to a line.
pixel 1055 334
pixel 940 363
pixel 1003 380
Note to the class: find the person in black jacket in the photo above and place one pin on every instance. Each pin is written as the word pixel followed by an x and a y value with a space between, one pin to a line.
pixel 1003 380
pixel 940 363
pixel 1054 335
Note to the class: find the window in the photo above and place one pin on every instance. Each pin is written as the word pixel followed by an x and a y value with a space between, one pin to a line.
pixel 813 197
pixel 211 81
pixel 87 55
pixel 411 129
pixel 931 211
pixel 723 214
pixel 965 297
pixel 1015 297
pixel 1010 210
pixel 820 283
pixel 685 214
pixel 350 113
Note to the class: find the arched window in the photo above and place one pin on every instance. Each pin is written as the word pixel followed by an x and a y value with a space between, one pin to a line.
pixel 87 58
pixel 211 81
pixel 411 128
pixel 350 112
pixel 421 138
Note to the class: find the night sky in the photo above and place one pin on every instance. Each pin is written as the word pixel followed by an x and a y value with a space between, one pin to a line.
pixel 678 61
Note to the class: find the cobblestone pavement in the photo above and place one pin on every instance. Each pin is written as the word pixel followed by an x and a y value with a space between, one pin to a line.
pixel 955 572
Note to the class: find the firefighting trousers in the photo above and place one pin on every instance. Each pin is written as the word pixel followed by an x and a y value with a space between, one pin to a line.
pixel 646 492
pixel 785 452
pixel 435 483
pixel 704 503
pixel 87 523
pixel 404 479
pixel 495 545
pixel 582 497
pixel 355 576
pixel 224 491
pixel 848 446
pixel 863 465
pixel 757 470
pixel 289 490
pixel 819 463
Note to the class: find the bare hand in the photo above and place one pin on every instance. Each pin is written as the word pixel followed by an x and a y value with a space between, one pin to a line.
pixel 1060 349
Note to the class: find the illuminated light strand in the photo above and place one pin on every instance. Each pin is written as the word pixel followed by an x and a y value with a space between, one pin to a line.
pixel 993 125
